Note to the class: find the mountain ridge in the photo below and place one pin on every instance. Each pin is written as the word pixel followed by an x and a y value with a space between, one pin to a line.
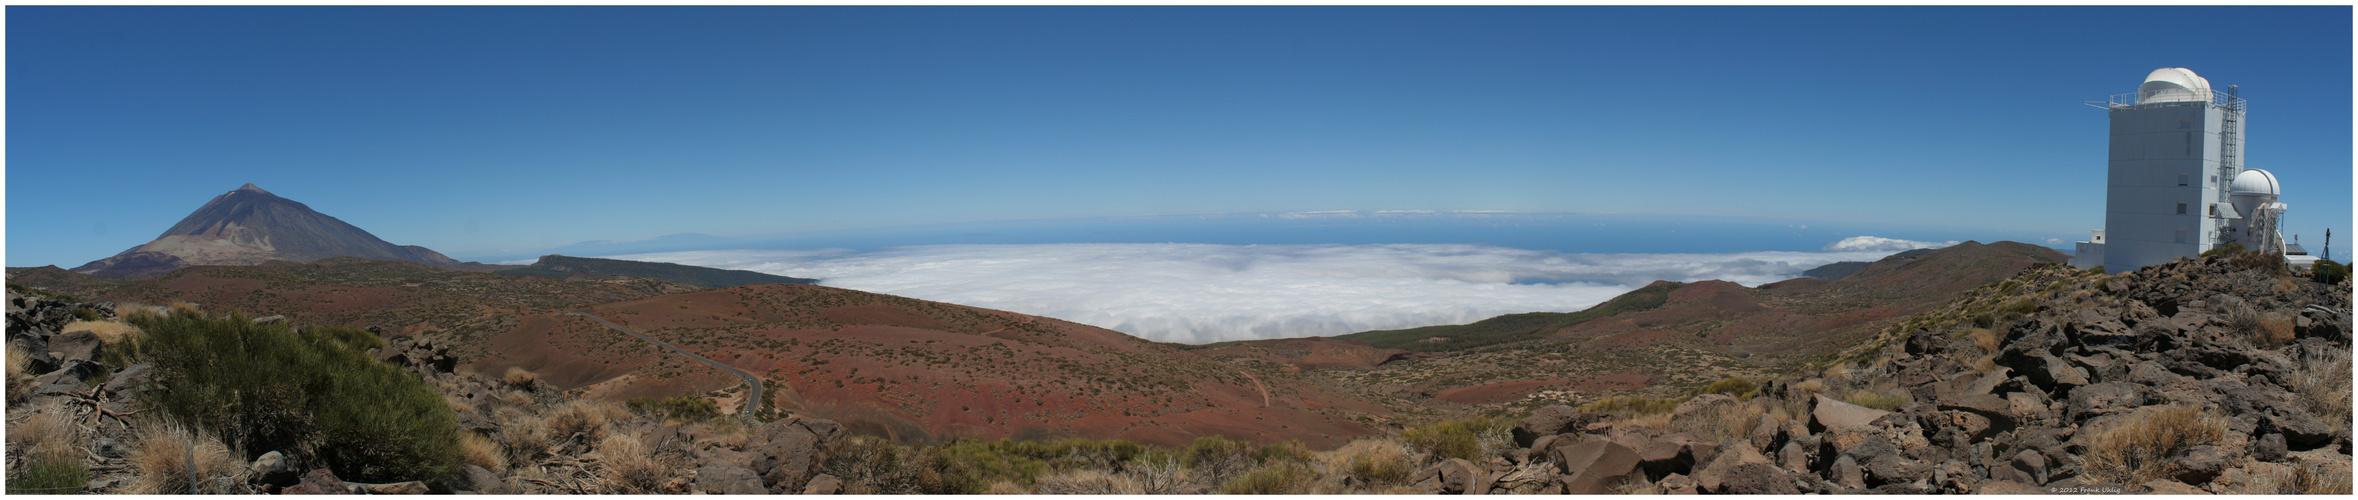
pixel 249 226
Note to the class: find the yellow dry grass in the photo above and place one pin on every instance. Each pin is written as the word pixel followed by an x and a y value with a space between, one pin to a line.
pixel 519 377
pixel 483 452
pixel 110 332
pixel 162 457
pixel 187 307
pixel 583 418
pixel 20 384
pixel 47 433
pixel 1087 482
pixel 628 467
pixel 1719 422
pixel 2139 448
pixel 1375 462
pixel 527 435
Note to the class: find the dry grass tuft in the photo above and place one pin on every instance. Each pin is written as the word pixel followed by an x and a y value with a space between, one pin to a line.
pixel 585 419
pixel 516 398
pixel 527 436
pixel 457 404
pixel 1087 482
pixel 1811 386
pixel 483 452
pixel 1876 400
pixel 2322 383
pixel 2138 448
pixel 1719 422
pixel 187 307
pixel 729 432
pixel 519 377
pixel 162 457
pixel 111 332
pixel 627 466
pixel 20 384
pixel 1376 462
pixel 1005 488
pixel 47 433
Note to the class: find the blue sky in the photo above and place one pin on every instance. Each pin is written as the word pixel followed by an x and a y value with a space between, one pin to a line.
pixel 483 131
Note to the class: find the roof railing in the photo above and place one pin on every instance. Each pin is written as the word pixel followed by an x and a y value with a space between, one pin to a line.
pixel 2171 97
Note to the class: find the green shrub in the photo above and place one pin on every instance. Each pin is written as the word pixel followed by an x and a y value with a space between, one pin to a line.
pixel 2329 272
pixel 1874 400
pixel 49 474
pixel 1275 479
pixel 690 408
pixel 1217 456
pixel 86 313
pixel 1283 451
pixel 1380 470
pixel 266 387
pixel 1732 386
pixel 1469 439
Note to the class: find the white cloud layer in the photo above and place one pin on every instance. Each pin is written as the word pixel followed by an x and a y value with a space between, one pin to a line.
pixel 1879 244
pixel 1198 293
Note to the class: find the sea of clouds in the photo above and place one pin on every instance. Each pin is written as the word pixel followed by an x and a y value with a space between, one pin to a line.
pixel 1199 293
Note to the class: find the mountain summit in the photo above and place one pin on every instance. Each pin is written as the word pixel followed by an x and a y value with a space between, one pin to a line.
pixel 250 226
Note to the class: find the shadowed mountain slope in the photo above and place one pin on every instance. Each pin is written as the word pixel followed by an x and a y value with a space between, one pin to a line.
pixel 562 267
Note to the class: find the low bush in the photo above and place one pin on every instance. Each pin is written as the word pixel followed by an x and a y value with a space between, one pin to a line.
pixel 314 392
pixel 1470 439
pixel 50 462
pixel 483 452
pixel 1375 461
pixel 2140 447
pixel 519 377
pixel 1274 479
pixel 2322 384
pixel 689 408
pixel 627 466
pixel 1732 386
pixel 584 418
pixel 2329 272
pixel 1217 457
pixel 1876 400
pixel 1633 406
pixel 52 474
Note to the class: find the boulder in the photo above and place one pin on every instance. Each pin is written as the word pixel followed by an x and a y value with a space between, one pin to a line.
pixel 1834 414
pixel 789 449
pixel 1670 454
pixel 731 479
pixel 2104 399
pixel 2269 448
pixel 1731 453
pixel 2031 465
pixel 481 480
pixel 72 371
pixel 1757 479
pixel 1677 484
pixel 1459 477
pixel 823 485
pixel 1794 458
pixel 2202 463
pixel 1768 434
pixel 1590 468
pixel 318 482
pixel 129 378
pixel 2301 430
pixel 1893 469
pixel 1846 472
pixel 77 344
pixel 1552 420
pixel 273 468
pixel 36 349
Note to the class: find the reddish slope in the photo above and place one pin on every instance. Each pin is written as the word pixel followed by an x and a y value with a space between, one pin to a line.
pixel 1311 353
pixel 924 370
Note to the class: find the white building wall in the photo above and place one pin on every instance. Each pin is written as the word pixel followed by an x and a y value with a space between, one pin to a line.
pixel 2152 148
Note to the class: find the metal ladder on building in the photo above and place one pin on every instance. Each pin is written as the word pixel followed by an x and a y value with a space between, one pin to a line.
pixel 2229 142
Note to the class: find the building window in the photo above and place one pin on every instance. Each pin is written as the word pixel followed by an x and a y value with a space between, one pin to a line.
pixel 2181 180
pixel 2181 236
pixel 2181 211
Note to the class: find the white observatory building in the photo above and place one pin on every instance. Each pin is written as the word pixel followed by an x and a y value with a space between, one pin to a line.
pixel 2175 185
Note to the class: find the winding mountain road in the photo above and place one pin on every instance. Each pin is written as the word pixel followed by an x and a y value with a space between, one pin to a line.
pixel 754 399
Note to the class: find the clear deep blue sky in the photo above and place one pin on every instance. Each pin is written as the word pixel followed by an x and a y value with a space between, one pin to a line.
pixel 477 131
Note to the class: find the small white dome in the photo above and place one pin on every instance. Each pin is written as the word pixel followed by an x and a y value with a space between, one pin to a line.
pixel 2173 85
pixel 2254 182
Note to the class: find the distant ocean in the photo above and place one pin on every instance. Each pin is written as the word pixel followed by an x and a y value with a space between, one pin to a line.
pixel 1212 278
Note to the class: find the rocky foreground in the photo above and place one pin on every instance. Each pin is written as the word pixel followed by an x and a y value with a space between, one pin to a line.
pixel 2201 376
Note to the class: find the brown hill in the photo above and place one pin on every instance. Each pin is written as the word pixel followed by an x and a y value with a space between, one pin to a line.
pixel 918 370
pixel 250 226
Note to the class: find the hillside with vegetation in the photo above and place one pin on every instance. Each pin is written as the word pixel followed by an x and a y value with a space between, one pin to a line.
pixel 559 267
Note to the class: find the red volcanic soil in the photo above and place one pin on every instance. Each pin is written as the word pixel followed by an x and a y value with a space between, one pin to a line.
pixel 918 370
pixel 1311 353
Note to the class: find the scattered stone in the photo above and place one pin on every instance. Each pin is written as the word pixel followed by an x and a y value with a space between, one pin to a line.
pixel 823 485
pixel 1757 479
pixel 2168 487
pixel 1835 414
pixel 2200 464
pixel 1677 484
pixel 400 488
pixel 1458 476
pixel 1846 472
pixel 1591 467
pixel 318 482
pixel 273 468
pixel 733 479
pixel 77 344
pixel 2270 448
pixel 1553 420
pixel 2031 465
pixel 2105 399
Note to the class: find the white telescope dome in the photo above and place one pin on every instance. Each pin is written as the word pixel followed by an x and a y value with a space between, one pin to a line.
pixel 2254 182
pixel 2173 85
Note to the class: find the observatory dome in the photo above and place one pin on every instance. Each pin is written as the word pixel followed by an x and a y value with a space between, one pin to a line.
pixel 2173 85
pixel 2254 182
